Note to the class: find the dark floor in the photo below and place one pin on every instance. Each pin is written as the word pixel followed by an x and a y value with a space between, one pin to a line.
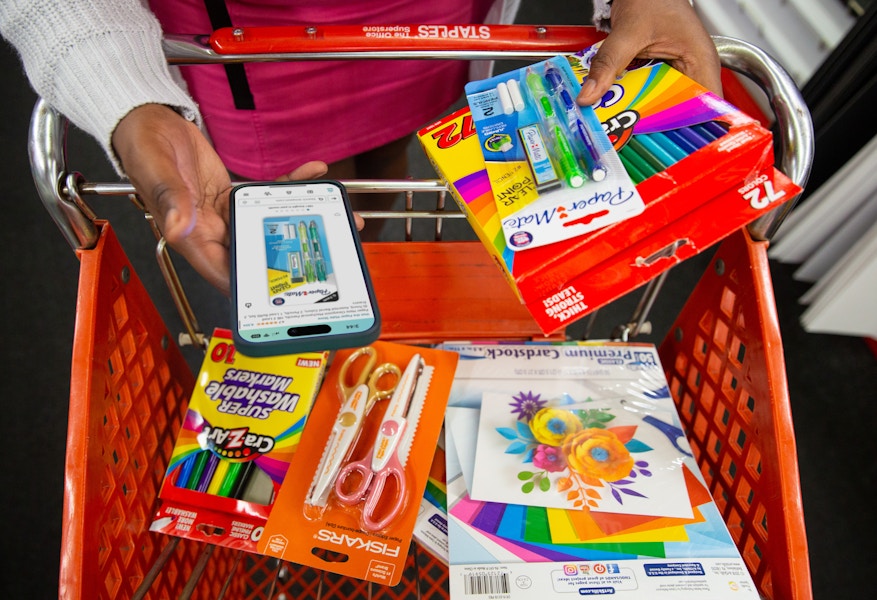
pixel 832 379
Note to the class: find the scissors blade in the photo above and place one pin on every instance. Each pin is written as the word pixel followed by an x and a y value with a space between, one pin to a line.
pixel 415 409
pixel 341 438
pixel 394 422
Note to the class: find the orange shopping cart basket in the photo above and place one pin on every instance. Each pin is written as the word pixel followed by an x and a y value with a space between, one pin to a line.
pixel 723 359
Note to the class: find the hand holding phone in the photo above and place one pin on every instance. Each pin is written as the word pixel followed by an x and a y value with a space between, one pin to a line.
pixel 299 278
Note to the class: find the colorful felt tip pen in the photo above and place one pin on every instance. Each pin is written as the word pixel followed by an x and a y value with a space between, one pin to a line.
pixel 197 469
pixel 185 471
pixel 218 477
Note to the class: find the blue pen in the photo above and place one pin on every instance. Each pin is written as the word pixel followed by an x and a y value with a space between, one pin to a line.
pixel 577 124
pixel 554 79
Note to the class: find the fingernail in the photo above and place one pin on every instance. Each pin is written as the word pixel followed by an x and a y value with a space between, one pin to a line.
pixel 589 87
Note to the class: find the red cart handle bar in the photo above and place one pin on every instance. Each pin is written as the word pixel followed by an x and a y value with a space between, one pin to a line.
pixel 418 37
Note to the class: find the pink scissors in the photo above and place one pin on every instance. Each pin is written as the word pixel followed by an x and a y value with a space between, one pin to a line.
pixel 370 386
pixel 367 479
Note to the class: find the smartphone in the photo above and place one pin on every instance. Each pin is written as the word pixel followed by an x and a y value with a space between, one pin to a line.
pixel 299 279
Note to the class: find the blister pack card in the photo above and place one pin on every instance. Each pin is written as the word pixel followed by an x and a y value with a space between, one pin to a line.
pixel 366 456
pixel 552 169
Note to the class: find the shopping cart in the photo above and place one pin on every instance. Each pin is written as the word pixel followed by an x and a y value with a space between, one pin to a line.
pixel 723 358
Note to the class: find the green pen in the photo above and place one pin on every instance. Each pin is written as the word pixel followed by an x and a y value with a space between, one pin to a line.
pixel 572 171
pixel 575 175
pixel 540 96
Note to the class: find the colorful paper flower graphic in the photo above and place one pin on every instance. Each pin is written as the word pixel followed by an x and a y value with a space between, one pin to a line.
pixel 551 425
pixel 576 449
pixel 549 458
pixel 526 404
pixel 597 454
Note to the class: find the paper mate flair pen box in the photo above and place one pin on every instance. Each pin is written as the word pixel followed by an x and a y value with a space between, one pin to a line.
pixel 714 175
pixel 243 425
pixel 552 169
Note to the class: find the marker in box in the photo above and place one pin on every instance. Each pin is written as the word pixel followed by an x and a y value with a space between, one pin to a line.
pixel 538 157
pixel 655 149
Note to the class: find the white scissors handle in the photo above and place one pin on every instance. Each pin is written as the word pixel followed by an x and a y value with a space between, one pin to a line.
pixel 344 432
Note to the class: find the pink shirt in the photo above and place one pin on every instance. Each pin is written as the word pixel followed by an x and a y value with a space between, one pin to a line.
pixel 319 110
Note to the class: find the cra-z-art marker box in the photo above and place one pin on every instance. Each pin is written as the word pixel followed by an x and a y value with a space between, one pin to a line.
pixel 703 169
pixel 242 427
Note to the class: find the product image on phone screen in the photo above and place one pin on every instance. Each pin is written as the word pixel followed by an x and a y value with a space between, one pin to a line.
pixel 299 266
pixel 299 279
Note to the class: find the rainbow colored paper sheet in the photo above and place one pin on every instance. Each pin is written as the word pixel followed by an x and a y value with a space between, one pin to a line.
pixel 579 392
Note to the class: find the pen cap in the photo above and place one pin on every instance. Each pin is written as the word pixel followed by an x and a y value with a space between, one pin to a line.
pixel 554 79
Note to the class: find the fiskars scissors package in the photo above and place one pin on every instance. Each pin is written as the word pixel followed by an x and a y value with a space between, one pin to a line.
pixel 365 457
pixel 241 428
pixel 569 474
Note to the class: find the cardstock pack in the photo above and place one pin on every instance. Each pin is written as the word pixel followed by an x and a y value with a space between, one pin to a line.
pixel 718 177
pixel 243 425
pixel 583 441
pixel 431 528
pixel 364 462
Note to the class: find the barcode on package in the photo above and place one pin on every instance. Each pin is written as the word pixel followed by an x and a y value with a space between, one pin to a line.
pixel 486 583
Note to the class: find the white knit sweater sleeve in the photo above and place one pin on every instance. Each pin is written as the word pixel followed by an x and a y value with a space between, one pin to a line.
pixel 93 60
pixel 601 18
pixel 601 14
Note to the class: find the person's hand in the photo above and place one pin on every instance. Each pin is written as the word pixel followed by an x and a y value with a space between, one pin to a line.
pixel 184 185
pixel 669 30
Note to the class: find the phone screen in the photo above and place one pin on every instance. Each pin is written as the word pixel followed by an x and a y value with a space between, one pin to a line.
pixel 300 282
